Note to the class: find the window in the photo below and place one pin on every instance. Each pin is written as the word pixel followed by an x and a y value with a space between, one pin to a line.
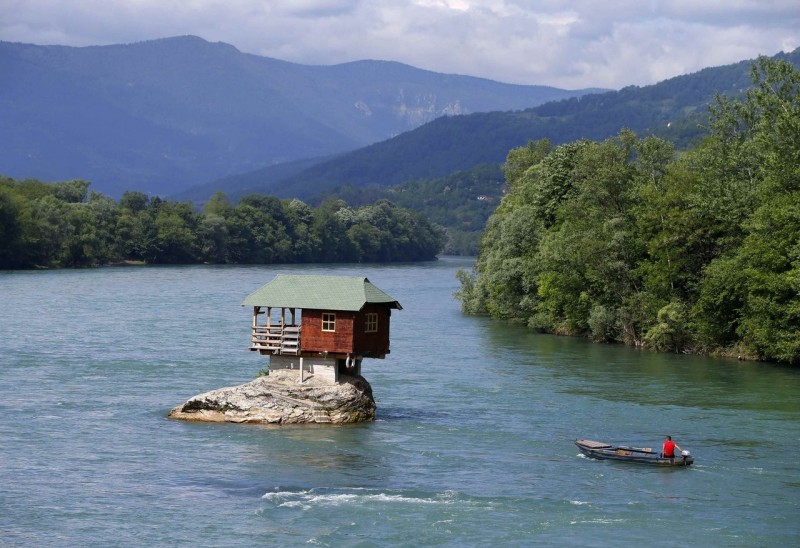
pixel 328 321
pixel 371 322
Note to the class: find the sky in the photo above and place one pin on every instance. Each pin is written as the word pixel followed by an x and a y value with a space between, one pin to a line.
pixel 575 44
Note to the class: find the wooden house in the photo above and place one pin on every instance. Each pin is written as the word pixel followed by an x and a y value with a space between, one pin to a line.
pixel 324 325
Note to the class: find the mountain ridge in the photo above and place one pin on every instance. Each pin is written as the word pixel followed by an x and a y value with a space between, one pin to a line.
pixel 671 109
pixel 164 115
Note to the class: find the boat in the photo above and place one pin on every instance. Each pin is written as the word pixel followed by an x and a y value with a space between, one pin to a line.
pixel 640 455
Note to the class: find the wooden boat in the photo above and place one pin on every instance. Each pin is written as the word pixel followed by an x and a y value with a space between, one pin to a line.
pixel 640 455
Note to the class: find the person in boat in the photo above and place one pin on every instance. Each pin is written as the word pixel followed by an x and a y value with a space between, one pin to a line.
pixel 669 447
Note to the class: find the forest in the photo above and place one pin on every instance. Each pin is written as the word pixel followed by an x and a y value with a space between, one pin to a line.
pixel 47 225
pixel 625 240
pixel 461 203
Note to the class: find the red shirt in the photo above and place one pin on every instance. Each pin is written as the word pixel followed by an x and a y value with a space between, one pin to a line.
pixel 669 448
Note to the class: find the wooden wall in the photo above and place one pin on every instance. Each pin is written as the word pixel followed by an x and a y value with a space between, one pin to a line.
pixel 314 339
pixel 372 344
pixel 349 336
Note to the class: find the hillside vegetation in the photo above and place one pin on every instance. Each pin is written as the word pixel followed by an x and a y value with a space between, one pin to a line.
pixel 461 202
pixel 162 115
pixel 623 240
pixel 673 109
pixel 466 191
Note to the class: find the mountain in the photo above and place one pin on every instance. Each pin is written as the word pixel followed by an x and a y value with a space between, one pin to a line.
pixel 162 115
pixel 672 109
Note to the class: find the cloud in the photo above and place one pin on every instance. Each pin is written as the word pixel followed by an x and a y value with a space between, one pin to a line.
pixel 581 43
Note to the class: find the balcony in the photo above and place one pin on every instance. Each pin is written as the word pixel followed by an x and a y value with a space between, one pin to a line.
pixel 276 339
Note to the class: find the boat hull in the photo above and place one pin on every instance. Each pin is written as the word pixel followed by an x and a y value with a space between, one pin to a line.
pixel 605 451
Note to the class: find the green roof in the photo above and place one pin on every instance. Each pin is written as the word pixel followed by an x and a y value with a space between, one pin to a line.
pixel 319 293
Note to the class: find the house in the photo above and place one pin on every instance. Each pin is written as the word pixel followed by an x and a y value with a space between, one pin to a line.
pixel 324 325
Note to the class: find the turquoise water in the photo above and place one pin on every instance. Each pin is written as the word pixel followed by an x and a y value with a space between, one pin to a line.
pixel 472 444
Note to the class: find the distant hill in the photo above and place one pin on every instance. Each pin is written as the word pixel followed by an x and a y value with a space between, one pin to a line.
pixel 671 109
pixel 163 115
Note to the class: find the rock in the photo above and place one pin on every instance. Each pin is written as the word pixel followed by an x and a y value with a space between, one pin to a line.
pixel 280 398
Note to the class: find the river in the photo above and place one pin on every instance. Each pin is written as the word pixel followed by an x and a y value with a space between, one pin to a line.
pixel 473 442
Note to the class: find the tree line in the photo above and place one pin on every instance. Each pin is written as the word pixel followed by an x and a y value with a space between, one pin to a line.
pixel 461 203
pixel 626 241
pixel 66 225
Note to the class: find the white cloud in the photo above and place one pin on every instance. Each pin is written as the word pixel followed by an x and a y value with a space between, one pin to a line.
pixel 580 43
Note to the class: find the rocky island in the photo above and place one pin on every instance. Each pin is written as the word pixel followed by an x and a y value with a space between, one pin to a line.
pixel 316 331
pixel 281 398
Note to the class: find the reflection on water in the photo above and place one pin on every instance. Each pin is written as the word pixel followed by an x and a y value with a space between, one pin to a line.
pixel 621 373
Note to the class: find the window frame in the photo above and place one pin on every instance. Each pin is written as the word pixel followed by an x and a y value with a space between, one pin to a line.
pixel 371 322
pixel 328 324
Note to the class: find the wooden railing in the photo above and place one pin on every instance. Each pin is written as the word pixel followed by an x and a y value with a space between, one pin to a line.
pixel 276 339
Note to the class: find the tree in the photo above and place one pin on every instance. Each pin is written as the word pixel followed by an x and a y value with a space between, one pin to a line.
pixel 51 231
pixel 621 240
pixel 763 130
pixel 300 217
pixel 213 238
pixel 176 234
pixel 64 224
pixel 134 202
pixel 332 219
pixel 71 192
pixel 218 205
pixel 11 228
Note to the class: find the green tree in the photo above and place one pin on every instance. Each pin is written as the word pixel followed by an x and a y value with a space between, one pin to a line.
pixel 300 218
pixel 213 238
pixel 134 202
pixel 621 240
pixel 64 224
pixel 218 205
pixel 507 270
pixel 212 231
pixel 51 231
pixel 770 320
pixel 332 219
pixel 11 228
pixel 761 137
pixel 671 332
pixel 176 234
pixel 71 192
pixel 255 236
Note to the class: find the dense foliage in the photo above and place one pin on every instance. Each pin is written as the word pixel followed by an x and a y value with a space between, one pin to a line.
pixel 410 168
pixel 63 224
pixel 461 202
pixel 623 240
